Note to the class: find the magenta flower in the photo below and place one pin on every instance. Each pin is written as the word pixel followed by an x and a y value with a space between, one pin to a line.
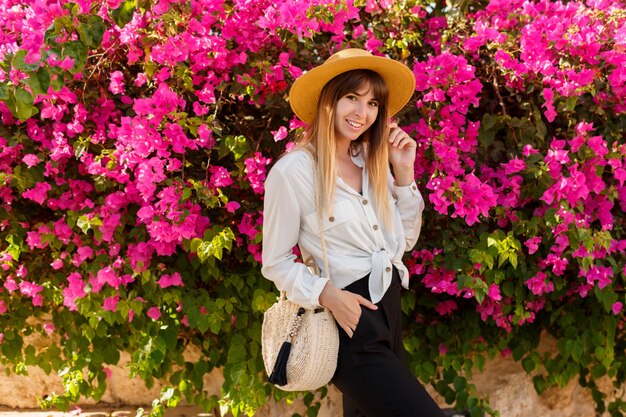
pixel 31 160
pixel 280 134
pixel 116 86
pixel 539 284
pixel 75 289
pixel 616 308
pixel 494 292
pixel 232 206
pixel 110 303
pixel 446 307
pixel 533 244
pixel 173 280
pixel 154 313
pixel 48 328
pixel 38 193
pixel 220 177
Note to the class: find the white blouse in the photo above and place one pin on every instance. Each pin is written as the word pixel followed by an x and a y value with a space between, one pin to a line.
pixel 357 243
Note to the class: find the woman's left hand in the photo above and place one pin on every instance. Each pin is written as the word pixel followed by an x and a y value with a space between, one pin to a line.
pixel 402 152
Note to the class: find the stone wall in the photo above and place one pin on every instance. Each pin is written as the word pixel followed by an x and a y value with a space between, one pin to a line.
pixel 503 382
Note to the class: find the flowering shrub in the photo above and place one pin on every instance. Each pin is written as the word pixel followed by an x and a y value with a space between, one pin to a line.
pixel 136 136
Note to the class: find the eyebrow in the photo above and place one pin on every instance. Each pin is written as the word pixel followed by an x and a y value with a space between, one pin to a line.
pixel 361 95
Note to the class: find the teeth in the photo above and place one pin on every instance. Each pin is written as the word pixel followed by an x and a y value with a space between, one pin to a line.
pixel 354 124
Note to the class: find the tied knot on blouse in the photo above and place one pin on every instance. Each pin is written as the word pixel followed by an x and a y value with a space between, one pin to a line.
pixel 357 243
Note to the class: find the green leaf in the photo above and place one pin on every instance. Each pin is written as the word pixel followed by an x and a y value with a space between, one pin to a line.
pixel 18 62
pixel 124 14
pixel 35 82
pixel 488 121
pixel 92 31
pixel 4 92
pixel 214 248
pixel 24 104
pixel 237 145
pixel 598 371
pixel 486 136
pixel 78 52
pixel 528 364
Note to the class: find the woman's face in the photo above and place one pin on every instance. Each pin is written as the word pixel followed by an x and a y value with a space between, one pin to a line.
pixel 355 113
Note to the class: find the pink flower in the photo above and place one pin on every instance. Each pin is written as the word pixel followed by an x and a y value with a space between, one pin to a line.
pixel 117 83
pixel 74 290
pixel 494 292
pixel 31 160
pixel 107 372
pixel 617 308
pixel 446 307
pixel 220 177
pixel 57 264
pixel 550 113
pixel 30 289
pixel 255 171
pixel 10 284
pixel 3 307
pixel 39 193
pixel 602 275
pixel 443 349
pixel 232 206
pixel 280 134
pixel 140 80
pixel 539 285
pixel 154 313
pixel 48 328
pixel 110 303
pixel 533 244
pixel 21 271
pixel 170 281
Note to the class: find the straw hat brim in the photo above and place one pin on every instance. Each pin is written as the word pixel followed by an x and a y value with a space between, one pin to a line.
pixel 305 91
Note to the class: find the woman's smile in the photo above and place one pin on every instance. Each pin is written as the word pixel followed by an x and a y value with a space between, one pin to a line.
pixel 355 113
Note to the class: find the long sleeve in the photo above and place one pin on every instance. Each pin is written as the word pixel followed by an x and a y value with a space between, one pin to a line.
pixel 411 206
pixel 281 230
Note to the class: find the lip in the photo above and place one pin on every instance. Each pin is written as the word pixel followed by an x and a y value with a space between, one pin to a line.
pixel 354 124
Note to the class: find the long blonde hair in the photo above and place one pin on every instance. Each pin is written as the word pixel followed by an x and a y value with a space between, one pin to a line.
pixel 373 143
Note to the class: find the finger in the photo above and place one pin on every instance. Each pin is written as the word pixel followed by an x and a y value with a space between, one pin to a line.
pixel 406 141
pixel 395 136
pixel 367 303
pixel 349 330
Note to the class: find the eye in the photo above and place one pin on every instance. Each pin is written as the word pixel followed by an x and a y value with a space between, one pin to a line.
pixel 373 103
pixel 351 97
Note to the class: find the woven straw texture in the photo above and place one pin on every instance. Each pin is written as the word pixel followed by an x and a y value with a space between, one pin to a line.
pixel 313 358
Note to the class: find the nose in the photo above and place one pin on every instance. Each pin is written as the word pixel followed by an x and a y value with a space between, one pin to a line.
pixel 359 109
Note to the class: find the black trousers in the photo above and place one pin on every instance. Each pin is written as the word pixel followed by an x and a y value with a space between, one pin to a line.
pixel 371 372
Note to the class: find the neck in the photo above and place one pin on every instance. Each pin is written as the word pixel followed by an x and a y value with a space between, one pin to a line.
pixel 343 149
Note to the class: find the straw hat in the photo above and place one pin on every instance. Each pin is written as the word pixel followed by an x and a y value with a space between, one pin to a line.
pixel 306 90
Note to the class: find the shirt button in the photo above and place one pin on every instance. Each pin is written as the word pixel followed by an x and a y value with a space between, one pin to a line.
pixel 388 269
pixel 364 202
pixel 375 227
pixel 331 219
pixel 413 188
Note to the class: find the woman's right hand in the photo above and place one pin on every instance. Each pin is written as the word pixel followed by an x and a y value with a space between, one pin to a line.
pixel 345 306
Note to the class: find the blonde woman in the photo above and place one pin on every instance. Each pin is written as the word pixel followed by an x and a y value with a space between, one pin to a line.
pixel 370 215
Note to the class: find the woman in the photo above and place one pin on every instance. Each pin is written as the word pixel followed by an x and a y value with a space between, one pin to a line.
pixel 369 219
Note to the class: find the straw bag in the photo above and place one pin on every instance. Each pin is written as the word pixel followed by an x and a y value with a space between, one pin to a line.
pixel 300 345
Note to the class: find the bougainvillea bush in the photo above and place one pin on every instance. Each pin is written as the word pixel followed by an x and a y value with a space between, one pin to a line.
pixel 136 136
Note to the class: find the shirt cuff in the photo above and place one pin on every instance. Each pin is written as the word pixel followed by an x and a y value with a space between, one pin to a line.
pixel 318 287
pixel 407 190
